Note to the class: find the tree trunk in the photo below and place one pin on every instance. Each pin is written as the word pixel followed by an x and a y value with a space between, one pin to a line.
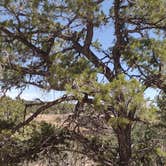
pixel 124 142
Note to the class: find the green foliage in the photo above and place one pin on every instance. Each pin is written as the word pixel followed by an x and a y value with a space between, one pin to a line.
pixel 52 45
pixel 151 9
pixel 11 112
pixel 148 145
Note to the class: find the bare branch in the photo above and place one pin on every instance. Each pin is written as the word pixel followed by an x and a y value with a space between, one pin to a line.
pixel 41 109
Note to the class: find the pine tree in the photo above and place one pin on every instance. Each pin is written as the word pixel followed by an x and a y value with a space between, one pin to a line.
pixel 54 45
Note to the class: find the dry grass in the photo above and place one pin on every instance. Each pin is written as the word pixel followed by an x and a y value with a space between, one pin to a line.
pixel 55 119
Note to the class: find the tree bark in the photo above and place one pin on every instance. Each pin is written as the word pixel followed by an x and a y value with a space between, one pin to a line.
pixel 124 142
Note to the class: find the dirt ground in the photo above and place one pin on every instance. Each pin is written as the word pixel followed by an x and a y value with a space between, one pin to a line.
pixel 55 119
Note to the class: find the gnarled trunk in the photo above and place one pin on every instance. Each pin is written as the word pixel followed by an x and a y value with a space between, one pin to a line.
pixel 124 142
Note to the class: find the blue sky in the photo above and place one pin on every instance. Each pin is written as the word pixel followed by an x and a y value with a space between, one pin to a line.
pixel 103 34
pixel 33 93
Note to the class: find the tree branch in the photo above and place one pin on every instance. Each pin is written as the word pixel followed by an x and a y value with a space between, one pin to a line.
pixel 41 109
